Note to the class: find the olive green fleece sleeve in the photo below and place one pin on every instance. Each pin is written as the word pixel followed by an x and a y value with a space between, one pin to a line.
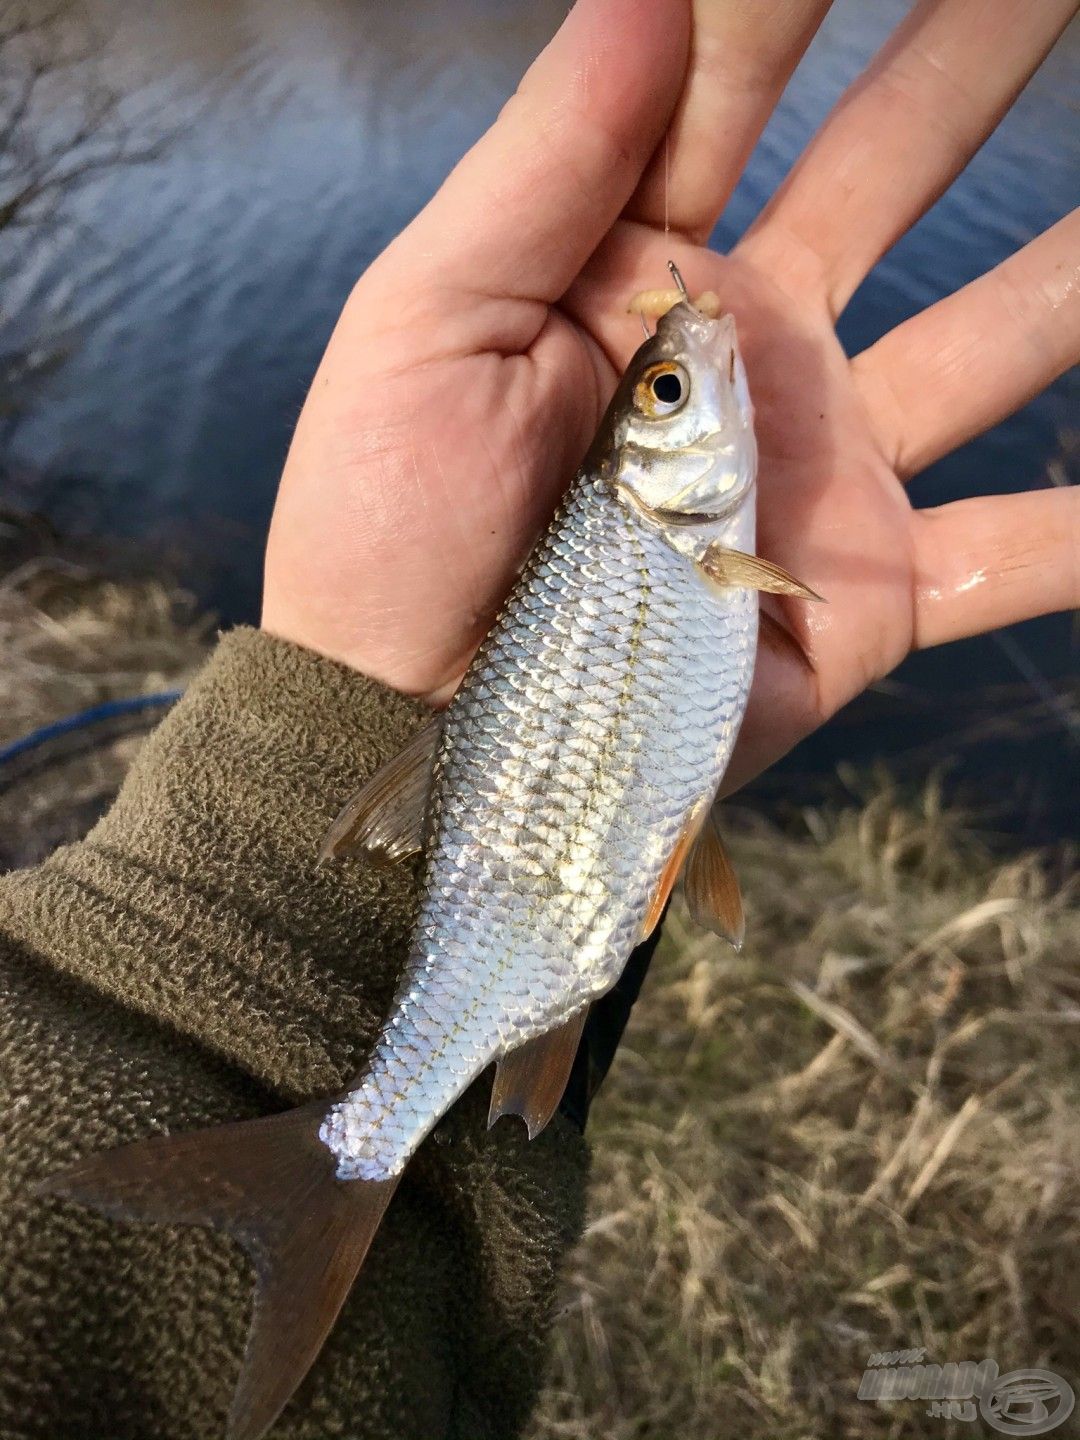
pixel 190 963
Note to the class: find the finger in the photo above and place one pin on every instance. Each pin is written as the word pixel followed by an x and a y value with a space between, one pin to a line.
pixel 525 208
pixel 902 132
pixel 993 561
pixel 741 57
pixel 972 359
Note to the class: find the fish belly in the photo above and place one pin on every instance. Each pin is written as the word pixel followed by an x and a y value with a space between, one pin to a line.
pixel 599 713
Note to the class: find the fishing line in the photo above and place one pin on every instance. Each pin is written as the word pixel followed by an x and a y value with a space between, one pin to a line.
pixel 82 720
pixel 667 181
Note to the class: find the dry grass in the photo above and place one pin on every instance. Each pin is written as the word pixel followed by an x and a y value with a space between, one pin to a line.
pixel 860 1135
pixel 70 638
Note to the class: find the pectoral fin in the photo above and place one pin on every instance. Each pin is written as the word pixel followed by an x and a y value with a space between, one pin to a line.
pixel 711 888
pixel 384 820
pixel 530 1081
pixel 734 567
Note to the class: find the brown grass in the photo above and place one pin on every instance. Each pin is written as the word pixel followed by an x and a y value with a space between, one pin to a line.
pixel 70 638
pixel 860 1135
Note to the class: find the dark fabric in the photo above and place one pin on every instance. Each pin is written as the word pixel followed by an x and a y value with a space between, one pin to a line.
pixel 607 1019
pixel 190 963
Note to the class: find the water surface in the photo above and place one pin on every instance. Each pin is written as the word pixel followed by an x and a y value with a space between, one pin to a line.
pixel 199 290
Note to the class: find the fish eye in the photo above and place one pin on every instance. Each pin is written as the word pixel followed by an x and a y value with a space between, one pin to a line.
pixel 663 389
pixel 667 388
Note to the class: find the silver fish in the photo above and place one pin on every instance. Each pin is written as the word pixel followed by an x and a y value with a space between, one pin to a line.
pixel 568 784
pixel 592 728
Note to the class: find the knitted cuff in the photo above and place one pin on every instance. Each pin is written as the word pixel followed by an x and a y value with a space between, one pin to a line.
pixel 198 900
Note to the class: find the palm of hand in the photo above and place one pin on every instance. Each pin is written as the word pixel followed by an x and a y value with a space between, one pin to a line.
pixel 446 419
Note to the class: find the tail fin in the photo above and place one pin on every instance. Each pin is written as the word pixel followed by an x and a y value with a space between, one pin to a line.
pixel 270 1183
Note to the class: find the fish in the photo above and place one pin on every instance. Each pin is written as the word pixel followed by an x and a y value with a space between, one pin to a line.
pixel 555 802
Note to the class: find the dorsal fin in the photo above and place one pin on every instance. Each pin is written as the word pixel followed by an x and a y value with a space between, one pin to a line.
pixel 530 1080
pixel 734 567
pixel 711 888
pixel 384 820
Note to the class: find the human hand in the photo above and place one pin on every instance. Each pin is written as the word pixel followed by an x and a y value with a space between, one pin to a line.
pixel 475 357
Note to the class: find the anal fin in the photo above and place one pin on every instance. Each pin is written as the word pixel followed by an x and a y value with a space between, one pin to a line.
pixel 530 1080
pixel 711 888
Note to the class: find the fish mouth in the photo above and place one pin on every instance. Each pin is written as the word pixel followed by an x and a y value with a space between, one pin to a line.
pixel 717 342
pixel 709 333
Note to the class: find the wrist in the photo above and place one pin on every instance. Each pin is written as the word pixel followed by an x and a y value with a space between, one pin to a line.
pixel 198 897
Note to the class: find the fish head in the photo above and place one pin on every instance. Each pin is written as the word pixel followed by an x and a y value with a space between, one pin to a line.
pixel 678 440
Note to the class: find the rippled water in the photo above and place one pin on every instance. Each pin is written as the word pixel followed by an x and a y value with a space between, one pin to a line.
pixel 198 291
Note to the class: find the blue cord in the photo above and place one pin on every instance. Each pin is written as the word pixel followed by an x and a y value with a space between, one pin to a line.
pixel 108 710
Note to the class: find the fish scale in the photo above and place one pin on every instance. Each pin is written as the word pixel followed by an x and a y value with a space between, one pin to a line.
pixel 598 714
